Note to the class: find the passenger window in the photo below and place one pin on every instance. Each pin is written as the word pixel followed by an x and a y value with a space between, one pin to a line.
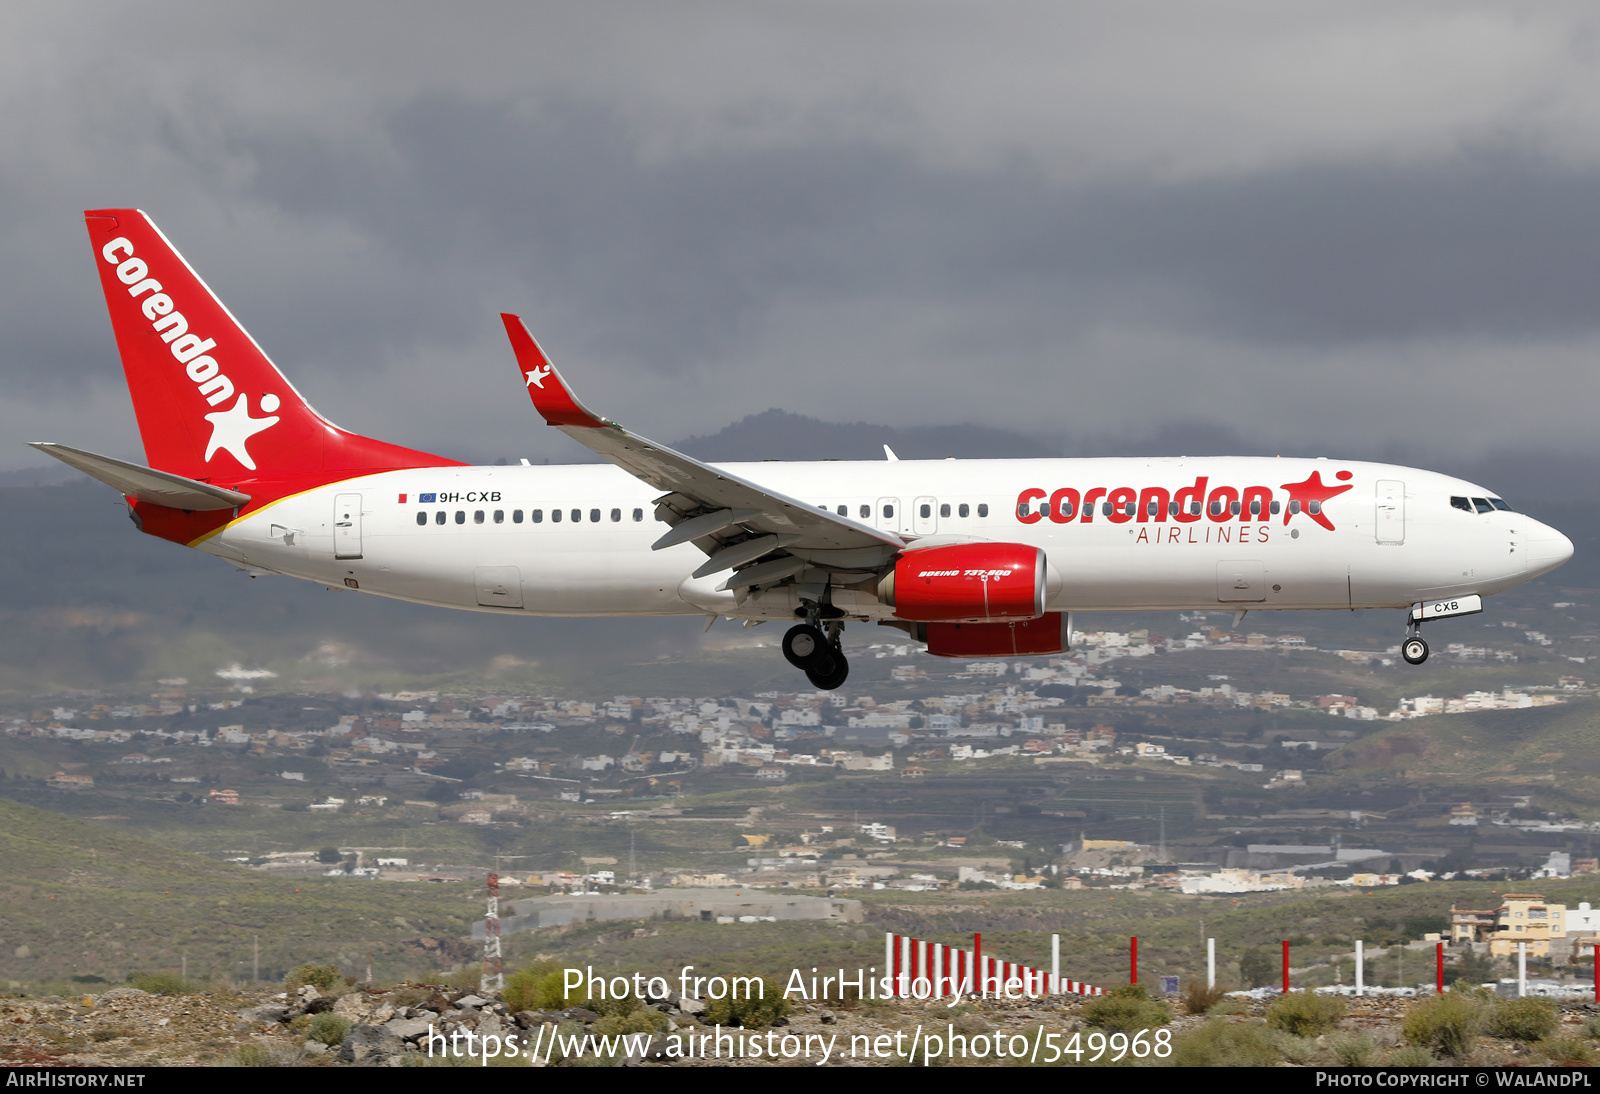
pixel 944 510
pixel 1022 510
pixel 638 515
pixel 516 516
pixel 555 516
pixel 983 509
pixel 616 516
pixel 477 516
pixel 1105 508
pixel 537 515
pixel 594 516
pixel 1313 507
pixel 1294 507
pixel 1234 508
pixel 888 510
pixel 1255 507
pixel 1215 508
pixel 1172 508
pixel 422 518
pixel 963 510
pixel 438 518
pixel 925 511
pixel 1276 507
pixel 866 511
pixel 1483 505
pixel 1194 507
pixel 577 516
pixel 844 510
pixel 461 516
pixel 1153 508
pixel 499 516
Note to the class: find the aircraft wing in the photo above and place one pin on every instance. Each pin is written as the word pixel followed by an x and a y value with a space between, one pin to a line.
pixel 735 521
pixel 145 483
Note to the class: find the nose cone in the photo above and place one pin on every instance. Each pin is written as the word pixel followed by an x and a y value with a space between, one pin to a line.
pixel 1547 548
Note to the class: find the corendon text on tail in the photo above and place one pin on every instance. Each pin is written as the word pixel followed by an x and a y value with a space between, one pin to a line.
pixel 972 557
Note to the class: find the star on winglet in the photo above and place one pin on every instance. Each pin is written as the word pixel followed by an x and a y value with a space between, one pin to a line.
pixel 230 429
pixel 1313 490
pixel 536 377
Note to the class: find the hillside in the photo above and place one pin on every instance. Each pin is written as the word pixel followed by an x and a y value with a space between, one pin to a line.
pixel 82 898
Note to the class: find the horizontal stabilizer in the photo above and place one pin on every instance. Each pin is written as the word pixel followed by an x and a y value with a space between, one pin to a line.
pixel 145 483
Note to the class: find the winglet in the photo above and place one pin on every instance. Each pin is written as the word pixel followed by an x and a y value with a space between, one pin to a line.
pixel 552 398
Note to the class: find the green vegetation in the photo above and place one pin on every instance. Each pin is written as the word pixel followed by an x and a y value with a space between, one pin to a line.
pixel 1447 1024
pixel 1126 1008
pixel 325 978
pixel 757 1013
pixel 1526 1019
pixel 1221 1043
pixel 1304 1014
pixel 329 1028
pixel 160 983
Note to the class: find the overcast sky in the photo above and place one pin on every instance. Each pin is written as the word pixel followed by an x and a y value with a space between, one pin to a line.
pixel 1342 225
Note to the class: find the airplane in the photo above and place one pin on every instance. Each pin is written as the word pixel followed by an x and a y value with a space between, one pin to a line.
pixel 969 557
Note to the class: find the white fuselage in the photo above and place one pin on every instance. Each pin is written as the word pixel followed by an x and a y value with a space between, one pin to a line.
pixel 1396 538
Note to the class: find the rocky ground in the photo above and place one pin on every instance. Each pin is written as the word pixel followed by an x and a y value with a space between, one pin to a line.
pixel 421 1025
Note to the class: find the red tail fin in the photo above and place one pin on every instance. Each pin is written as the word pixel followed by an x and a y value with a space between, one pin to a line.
pixel 211 405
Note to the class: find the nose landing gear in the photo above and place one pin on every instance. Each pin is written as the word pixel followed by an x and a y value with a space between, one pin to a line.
pixel 1415 648
pixel 814 648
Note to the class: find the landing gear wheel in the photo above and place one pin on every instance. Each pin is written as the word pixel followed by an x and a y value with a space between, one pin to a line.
pixel 1414 650
pixel 805 647
pixel 831 676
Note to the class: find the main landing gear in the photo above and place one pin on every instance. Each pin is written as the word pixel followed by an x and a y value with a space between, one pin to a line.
pixel 1415 648
pixel 813 648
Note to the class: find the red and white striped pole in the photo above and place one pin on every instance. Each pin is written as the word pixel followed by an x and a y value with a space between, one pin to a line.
pixel 1286 966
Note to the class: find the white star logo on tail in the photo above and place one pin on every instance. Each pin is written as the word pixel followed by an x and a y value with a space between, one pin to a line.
pixel 230 429
pixel 537 376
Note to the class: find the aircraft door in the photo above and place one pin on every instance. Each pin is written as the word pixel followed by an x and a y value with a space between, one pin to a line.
pixel 347 526
pixel 887 514
pixel 1391 523
pixel 925 516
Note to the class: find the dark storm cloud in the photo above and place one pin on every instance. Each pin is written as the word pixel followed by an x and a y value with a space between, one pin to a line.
pixel 674 259
pixel 1095 221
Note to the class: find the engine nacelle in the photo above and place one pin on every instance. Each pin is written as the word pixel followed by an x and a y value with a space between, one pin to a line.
pixel 968 582
pixel 1028 638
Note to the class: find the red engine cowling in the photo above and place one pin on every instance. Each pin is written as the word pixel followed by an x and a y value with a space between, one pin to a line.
pixel 1029 638
pixel 967 582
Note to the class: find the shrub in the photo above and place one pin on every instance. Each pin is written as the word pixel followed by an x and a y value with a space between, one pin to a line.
pixel 1411 1056
pixel 329 1028
pixel 537 987
pixel 750 1013
pixel 1199 999
pixel 322 977
pixel 1446 1024
pixel 1354 1051
pixel 1567 1051
pixel 1226 1044
pixel 1126 1009
pixel 1304 1014
pixel 1258 968
pixel 160 983
pixel 1523 1020
pixel 252 1056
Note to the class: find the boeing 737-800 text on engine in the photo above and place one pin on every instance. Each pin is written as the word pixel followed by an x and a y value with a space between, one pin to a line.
pixel 972 557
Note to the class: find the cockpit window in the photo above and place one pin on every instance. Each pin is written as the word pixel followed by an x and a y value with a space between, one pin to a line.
pixel 1500 504
pixel 1462 504
pixel 1483 505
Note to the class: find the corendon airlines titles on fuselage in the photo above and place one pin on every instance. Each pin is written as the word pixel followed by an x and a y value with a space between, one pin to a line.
pixel 972 557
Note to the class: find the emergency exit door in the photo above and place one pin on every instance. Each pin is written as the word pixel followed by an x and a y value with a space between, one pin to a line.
pixel 347 526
